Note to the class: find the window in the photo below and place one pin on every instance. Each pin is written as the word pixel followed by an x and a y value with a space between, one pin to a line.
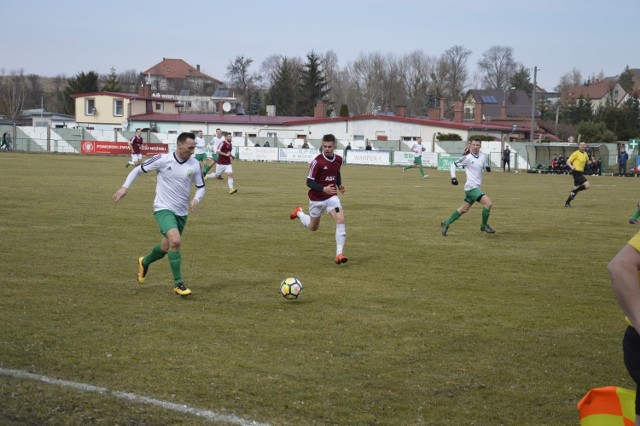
pixel 90 107
pixel 159 106
pixel 237 134
pixel 187 104
pixel 358 137
pixel 118 107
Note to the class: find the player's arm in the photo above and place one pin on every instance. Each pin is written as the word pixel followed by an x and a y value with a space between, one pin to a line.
pixel 197 197
pixel 454 167
pixel 487 167
pixel 339 183
pixel 122 192
pixel 623 270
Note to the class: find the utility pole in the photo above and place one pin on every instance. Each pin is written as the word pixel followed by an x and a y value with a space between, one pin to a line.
pixel 533 101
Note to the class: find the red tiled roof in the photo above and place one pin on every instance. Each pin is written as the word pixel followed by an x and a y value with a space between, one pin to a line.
pixel 285 121
pixel 177 68
pixel 593 91
pixel 123 95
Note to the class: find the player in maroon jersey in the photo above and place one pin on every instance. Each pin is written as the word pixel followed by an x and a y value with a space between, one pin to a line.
pixel 223 164
pixel 135 145
pixel 324 182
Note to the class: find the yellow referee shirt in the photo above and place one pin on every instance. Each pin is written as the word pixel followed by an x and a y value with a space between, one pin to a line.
pixel 578 160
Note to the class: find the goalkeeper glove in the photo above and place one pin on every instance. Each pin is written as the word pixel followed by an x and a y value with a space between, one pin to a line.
pixel 454 181
pixel 488 169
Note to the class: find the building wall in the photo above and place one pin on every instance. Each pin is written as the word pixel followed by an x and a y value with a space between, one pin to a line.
pixel 104 106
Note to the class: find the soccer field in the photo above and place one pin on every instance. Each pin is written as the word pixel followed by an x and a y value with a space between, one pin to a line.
pixel 472 329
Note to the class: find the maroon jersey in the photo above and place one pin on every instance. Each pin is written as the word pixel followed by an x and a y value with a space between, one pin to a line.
pixel 325 172
pixel 136 144
pixel 225 147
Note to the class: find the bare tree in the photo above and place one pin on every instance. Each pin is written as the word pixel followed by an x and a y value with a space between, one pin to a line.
pixel 568 80
pixel 13 92
pixel 416 77
pixel 241 78
pixel 496 67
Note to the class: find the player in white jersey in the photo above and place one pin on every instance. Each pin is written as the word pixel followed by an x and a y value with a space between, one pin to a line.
pixel 417 150
pixel 473 162
pixel 176 173
pixel 200 151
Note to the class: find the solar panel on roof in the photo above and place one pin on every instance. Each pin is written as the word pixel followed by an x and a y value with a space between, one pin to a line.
pixel 489 99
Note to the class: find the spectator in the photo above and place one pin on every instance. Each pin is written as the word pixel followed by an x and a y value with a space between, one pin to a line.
pixel 623 157
pixel 506 159
pixel 267 145
pixel 290 145
pixel 368 147
pixel 6 142
pixel 349 145
pixel 305 144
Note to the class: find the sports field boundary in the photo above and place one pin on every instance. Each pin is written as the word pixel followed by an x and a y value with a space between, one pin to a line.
pixel 209 415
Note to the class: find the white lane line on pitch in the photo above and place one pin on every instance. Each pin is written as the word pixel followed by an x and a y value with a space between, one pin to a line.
pixel 210 415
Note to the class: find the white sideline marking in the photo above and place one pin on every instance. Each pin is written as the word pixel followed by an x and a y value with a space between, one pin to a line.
pixel 210 415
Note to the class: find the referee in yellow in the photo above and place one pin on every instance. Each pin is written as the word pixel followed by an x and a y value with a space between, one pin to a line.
pixel 577 162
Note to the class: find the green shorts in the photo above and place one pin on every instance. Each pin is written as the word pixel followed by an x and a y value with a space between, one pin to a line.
pixel 200 157
pixel 168 220
pixel 417 161
pixel 473 195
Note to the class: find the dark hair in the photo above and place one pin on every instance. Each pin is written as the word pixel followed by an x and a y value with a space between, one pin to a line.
pixel 329 138
pixel 184 136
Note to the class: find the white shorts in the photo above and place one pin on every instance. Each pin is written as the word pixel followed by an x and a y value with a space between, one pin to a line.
pixel 316 208
pixel 136 157
pixel 223 168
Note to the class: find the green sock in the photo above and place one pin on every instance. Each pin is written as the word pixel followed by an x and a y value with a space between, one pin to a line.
pixel 454 216
pixel 206 169
pixel 407 167
pixel 155 254
pixel 636 216
pixel 175 261
pixel 421 172
pixel 485 216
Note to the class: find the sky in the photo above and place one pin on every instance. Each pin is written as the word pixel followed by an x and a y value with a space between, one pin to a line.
pixel 50 38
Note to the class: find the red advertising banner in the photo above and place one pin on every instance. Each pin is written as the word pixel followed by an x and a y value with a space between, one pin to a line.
pixel 121 148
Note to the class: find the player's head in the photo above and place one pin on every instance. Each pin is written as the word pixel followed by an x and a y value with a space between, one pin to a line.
pixel 138 131
pixel 328 144
pixel 419 140
pixel 582 146
pixel 186 145
pixel 218 132
pixel 475 146
pixel 228 136
pixel 199 133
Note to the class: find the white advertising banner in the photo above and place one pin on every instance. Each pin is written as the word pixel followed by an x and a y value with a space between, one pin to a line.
pixel 298 155
pixel 361 156
pixel 405 158
pixel 251 153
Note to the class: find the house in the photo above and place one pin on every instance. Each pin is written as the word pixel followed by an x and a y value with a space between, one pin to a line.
pixel 39 117
pixel 175 75
pixel 111 110
pixel 601 93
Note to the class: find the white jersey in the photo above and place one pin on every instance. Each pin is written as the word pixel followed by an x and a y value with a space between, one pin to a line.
pixel 215 143
pixel 175 177
pixel 473 168
pixel 200 146
pixel 417 149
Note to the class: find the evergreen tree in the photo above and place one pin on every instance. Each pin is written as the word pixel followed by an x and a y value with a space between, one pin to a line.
pixel 255 103
pixel 626 80
pixel 522 80
pixel 595 131
pixel 81 83
pixel 344 110
pixel 112 83
pixel 285 89
pixel 314 85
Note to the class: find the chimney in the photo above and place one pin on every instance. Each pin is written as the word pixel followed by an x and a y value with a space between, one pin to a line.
pixel 477 112
pixel 433 114
pixel 219 108
pixel 443 108
pixel 144 90
pixel 458 110
pixel 320 110
pixel 401 110
pixel 271 110
pixel 503 112
pixel 198 67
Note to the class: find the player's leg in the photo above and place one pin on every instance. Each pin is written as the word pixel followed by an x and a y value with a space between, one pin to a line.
pixel 457 213
pixel 486 211
pixel 131 162
pixel 229 172
pixel 634 218
pixel 341 233
pixel 172 226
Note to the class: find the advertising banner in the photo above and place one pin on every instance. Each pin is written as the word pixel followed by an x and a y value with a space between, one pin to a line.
pixel 297 155
pixel 121 148
pixel 405 158
pixel 250 153
pixel 445 161
pixel 361 156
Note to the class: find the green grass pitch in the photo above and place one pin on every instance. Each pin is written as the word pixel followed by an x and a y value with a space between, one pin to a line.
pixel 510 328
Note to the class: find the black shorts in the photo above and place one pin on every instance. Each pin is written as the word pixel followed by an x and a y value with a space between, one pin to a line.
pixel 578 178
pixel 631 351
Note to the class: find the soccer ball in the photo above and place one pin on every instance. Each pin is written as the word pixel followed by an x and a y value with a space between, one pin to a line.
pixel 290 288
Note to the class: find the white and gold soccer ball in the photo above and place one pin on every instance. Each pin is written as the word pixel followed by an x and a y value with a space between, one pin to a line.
pixel 290 288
